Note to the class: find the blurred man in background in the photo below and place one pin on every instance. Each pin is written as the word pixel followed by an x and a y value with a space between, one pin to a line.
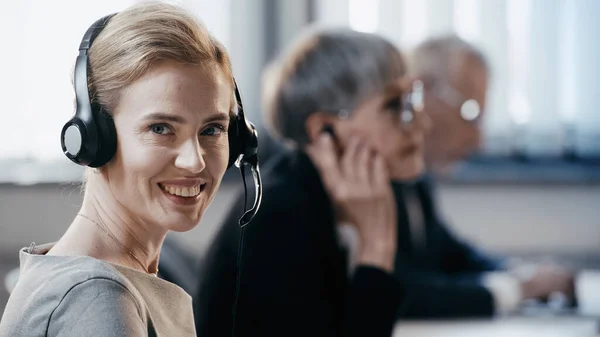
pixel 445 276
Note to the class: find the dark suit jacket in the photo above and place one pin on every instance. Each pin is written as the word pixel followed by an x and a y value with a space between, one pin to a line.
pixel 442 275
pixel 294 280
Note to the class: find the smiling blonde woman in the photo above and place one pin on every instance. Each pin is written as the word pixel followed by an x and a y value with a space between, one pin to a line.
pixel 168 87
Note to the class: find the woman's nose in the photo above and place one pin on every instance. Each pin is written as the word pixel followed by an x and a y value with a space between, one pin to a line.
pixel 422 122
pixel 190 157
pixel 425 121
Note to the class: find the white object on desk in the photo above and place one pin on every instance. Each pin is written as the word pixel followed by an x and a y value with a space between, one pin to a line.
pixel 506 327
pixel 588 292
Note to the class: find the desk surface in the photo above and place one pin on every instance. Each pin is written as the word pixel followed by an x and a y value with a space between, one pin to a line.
pixel 502 327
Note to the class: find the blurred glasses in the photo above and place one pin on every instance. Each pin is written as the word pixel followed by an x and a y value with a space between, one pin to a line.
pixel 470 110
pixel 404 107
pixel 413 103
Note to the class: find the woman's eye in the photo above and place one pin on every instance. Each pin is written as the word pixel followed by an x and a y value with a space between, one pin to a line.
pixel 160 129
pixel 393 104
pixel 213 130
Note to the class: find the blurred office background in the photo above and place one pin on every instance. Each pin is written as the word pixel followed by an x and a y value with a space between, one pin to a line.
pixel 533 190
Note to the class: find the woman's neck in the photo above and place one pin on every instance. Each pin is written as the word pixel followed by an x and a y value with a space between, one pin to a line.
pixel 105 230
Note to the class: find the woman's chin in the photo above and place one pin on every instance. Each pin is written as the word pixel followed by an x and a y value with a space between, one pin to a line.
pixel 181 223
pixel 408 170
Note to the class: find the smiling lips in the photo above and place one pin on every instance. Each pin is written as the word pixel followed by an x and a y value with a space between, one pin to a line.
pixel 183 192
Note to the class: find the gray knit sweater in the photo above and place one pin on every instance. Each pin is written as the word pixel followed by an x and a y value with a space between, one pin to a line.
pixel 82 296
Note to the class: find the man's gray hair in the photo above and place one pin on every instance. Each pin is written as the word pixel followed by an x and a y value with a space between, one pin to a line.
pixel 436 57
pixel 325 70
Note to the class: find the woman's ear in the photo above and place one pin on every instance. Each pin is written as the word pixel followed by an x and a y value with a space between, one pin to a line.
pixel 316 122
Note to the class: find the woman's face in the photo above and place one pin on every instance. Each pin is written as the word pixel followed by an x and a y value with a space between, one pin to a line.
pixel 377 121
pixel 172 144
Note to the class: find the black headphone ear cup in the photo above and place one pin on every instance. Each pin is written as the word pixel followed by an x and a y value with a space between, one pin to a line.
pixel 235 141
pixel 107 137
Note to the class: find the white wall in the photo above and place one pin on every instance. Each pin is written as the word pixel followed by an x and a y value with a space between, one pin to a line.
pixel 501 218
pixel 542 218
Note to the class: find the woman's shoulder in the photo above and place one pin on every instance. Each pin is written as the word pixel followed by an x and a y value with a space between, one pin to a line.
pixel 291 181
pixel 56 276
pixel 61 273
pixel 59 288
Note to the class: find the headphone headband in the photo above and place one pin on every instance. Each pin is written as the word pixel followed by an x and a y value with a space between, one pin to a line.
pixel 82 66
pixel 92 33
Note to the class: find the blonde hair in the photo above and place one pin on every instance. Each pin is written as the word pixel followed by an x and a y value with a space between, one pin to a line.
pixel 141 36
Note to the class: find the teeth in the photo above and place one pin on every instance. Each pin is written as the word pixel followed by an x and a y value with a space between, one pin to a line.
pixel 182 191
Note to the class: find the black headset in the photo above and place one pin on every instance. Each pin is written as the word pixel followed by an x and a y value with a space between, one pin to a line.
pixel 90 138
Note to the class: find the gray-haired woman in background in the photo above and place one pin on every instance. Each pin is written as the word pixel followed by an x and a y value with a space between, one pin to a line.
pixel 298 278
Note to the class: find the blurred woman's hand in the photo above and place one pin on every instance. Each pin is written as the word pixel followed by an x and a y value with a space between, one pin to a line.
pixel 358 184
pixel 549 279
